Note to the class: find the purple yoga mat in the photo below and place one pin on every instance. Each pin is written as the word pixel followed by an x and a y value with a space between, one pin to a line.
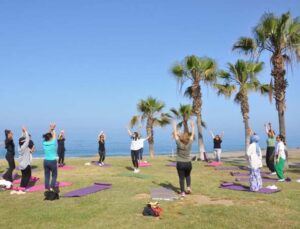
pixel 264 179
pixel 88 190
pixel 172 164
pixel 239 187
pixel 245 174
pixel 232 168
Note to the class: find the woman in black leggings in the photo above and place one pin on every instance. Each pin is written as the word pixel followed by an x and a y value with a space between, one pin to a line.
pixel 10 155
pixel 101 148
pixel 184 143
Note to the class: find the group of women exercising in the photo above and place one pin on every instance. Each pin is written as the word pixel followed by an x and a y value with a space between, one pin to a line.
pixel 54 146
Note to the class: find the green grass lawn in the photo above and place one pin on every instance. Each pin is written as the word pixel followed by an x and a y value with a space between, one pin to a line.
pixel 121 206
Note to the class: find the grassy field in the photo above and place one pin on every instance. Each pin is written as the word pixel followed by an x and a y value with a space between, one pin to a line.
pixel 121 206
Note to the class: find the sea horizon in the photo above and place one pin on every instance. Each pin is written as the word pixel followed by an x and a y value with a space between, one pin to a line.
pixel 88 148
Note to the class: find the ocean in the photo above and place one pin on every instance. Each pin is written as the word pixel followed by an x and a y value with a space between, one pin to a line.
pixel 88 148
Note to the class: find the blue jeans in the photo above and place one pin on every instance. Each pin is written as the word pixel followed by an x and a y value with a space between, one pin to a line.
pixel 50 166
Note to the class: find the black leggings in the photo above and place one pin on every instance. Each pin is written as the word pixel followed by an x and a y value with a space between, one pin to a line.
pixel 270 158
pixel 61 157
pixel 101 156
pixel 11 166
pixel 135 157
pixel 26 174
pixel 184 172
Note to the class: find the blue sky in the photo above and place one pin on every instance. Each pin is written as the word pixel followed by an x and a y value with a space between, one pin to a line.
pixel 85 64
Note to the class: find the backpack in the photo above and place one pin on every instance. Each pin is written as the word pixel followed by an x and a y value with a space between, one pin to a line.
pixel 51 195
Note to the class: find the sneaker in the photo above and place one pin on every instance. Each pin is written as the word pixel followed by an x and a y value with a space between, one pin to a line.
pixel 20 192
pixel 281 180
pixel 188 191
pixel 100 164
pixel 137 170
pixel 13 192
pixel 274 173
pixel 182 194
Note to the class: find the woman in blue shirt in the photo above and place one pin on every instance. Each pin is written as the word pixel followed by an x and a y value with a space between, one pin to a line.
pixel 50 163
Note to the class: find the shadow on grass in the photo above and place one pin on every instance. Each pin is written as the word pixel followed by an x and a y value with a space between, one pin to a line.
pixel 167 185
pixel 129 168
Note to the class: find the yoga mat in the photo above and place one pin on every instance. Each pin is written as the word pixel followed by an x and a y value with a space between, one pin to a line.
pixel 239 187
pixel 144 164
pixel 97 164
pixel 66 167
pixel 294 165
pixel 172 164
pixel 32 179
pixel 163 194
pixel 264 179
pixel 215 164
pixel 88 190
pixel 41 187
pixel 232 168
pixel 244 174
pixel 136 175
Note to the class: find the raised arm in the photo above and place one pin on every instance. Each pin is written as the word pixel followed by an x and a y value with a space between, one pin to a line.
pixel 129 131
pixel 222 135
pixel 193 130
pixel 52 130
pixel 212 134
pixel 175 132
pixel 27 138
pixel 101 132
pixel 267 128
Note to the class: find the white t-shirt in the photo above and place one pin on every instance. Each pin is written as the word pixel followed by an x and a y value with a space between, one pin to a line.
pixel 138 144
pixel 280 150
pixel 255 161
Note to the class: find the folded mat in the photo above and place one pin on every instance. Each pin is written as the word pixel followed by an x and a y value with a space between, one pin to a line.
pixel 144 164
pixel 88 190
pixel 172 164
pixel 97 163
pixel 163 194
pixel 239 187
pixel 32 179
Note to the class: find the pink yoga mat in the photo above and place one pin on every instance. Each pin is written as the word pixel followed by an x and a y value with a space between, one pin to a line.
pixel 41 187
pixel 215 164
pixel 66 167
pixel 144 164
pixel 32 179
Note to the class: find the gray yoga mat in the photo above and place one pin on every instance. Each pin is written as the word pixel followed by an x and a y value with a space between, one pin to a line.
pixel 239 187
pixel 163 194
pixel 294 165
pixel 88 190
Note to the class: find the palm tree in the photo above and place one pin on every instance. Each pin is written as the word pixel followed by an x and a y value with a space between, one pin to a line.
pixel 151 112
pixel 183 114
pixel 241 77
pixel 197 70
pixel 281 37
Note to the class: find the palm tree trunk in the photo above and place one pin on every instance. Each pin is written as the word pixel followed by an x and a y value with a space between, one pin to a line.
pixel 149 129
pixel 185 126
pixel 201 147
pixel 197 107
pixel 280 85
pixel 245 114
